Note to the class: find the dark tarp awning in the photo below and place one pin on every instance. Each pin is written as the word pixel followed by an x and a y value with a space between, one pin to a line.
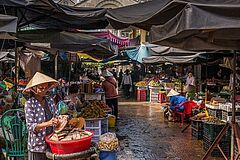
pixel 200 25
pixel 48 14
pixel 142 15
pixel 8 23
pixel 172 59
pixel 69 41
pixel 170 51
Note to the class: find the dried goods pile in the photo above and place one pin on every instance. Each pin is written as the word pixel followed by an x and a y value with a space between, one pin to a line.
pixel 108 142
pixel 69 130
pixel 92 110
pixel 69 135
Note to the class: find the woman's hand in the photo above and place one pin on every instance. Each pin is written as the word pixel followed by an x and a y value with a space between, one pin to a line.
pixel 52 122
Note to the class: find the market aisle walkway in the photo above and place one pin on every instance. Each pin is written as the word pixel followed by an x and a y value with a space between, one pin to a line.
pixel 145 135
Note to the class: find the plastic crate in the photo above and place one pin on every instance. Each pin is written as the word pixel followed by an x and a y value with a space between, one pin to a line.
pixel 141 95
pixel 104 125
pixel 225 146
pixel 89 123
pixel 197 133
pixel 215 112
pixel 162 97
pixel 211 131
pixel 197 124
pixel 227 116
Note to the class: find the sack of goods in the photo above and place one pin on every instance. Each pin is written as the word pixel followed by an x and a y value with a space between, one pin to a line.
pixel 108 142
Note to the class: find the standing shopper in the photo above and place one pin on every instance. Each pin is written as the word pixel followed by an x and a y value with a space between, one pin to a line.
pixel 127 83
pixel 110 87
pixel 39 112
pixel 120 76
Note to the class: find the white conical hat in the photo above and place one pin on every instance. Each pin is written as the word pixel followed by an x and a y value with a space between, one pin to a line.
pixel 172 93
pixel 40 78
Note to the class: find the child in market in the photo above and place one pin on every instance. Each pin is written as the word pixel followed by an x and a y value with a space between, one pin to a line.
pixel 74 102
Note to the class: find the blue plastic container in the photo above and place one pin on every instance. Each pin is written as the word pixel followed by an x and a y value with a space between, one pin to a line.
pixel 108 155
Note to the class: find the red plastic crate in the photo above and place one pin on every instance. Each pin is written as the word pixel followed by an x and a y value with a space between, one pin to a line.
pixel 141 95
pixel 162 97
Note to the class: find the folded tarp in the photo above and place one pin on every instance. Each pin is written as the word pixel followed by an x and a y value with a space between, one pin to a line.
pixel 172 59
pixel 170 51
pixel 48 14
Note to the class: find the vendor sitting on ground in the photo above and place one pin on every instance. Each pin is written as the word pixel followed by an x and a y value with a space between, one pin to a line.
pixel 175 100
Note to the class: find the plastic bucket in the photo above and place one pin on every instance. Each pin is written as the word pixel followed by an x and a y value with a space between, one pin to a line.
pixel 108 155
pixel 67 147
pixel 111 121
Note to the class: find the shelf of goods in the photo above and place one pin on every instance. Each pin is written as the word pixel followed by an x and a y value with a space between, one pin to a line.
pixel 157 95
pixel 210 132
pixel 98 126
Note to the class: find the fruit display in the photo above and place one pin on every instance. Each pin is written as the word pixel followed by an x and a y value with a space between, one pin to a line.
pixel 154 83
pixel 142 84
pixel 92 110
pixel 108 142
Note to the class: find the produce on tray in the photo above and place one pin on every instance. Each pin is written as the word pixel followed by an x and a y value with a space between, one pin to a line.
pixel 215 101
pixel 92 110
pixel 213 120
pixel 155 83
pixel 108 142
pixel 141 84
pixel 199 116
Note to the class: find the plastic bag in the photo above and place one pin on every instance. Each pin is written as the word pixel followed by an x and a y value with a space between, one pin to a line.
pixel 131 89
pixel 62 107
pixel 108 142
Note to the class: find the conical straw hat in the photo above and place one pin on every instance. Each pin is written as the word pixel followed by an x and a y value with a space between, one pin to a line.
pixel 40 78
pixel 172 93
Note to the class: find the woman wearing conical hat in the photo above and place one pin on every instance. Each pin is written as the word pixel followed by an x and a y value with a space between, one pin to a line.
pixel 39 113
pixel 175 100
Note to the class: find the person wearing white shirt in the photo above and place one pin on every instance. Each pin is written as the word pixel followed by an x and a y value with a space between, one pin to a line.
pixel 127 83
pixel 190 79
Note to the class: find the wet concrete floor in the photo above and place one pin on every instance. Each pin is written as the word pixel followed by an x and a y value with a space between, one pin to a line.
pixel 144 134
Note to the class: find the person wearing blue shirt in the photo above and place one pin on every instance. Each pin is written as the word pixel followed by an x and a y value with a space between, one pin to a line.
pixel 176 100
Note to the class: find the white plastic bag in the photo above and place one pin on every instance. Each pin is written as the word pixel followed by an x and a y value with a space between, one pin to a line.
pixel 108 142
